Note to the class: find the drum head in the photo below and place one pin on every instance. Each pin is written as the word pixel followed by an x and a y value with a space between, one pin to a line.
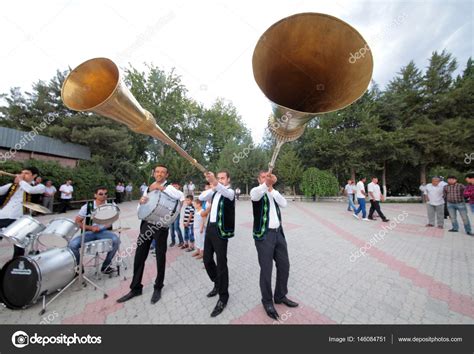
pixel 52 241
pixel 18 282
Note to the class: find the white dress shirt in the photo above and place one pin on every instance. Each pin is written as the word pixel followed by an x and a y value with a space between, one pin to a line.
pixel 65 188
pixel 221 190
pixel 14 207
pixel 274 196
pixel 435 194
pixel 170 190
pixel 374 188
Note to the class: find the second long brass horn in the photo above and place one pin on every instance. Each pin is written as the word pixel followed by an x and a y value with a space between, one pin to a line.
pixel 308 64
pixel 95 86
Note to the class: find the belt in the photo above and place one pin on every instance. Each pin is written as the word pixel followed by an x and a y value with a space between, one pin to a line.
pixel 278 229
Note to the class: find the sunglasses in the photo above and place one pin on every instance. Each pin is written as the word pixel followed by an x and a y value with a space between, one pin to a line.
pixel 102 193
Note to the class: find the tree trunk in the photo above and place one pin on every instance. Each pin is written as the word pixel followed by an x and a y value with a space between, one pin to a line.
pixel 384 179
pixel 423 174
pixel 294 191
pixel 246 188
pixel 353 174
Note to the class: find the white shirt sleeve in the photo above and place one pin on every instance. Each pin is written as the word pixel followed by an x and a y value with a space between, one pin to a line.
pixel 278 198
pixel 370 188
pixel 83 211
pixel 173 192
pixel 206 195
pixel 226 192
pixel 257 193
pixel 28 188
pixel 4 189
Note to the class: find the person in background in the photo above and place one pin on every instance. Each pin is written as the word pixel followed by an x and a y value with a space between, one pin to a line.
pixel 237 193
pixel 435 202
pixel 200 216
pixel 188 222
pixel 191 188
pixel 360 194
pixel 128 192
pixel 175 227
pixel 375 196
pixel 443 184
pixel 66 195
pixel 454 194
pixel 349 192
pixel 143 188
pixel 469 191
pixel 48 196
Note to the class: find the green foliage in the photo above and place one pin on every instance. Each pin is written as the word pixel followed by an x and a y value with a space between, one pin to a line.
pixel 319 183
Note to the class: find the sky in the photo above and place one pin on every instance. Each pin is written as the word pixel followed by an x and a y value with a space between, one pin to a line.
pixel 210 43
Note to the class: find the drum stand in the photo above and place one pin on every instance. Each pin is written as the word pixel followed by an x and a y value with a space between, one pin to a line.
pixel 81 277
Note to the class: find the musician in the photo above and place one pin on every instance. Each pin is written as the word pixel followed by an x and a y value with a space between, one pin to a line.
pixel 270 242
pixel 148 232
pixel 95 231
pixel 12 196
pixel 219 229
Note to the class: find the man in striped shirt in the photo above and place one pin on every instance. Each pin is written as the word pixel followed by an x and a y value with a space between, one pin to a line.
pixel 188 222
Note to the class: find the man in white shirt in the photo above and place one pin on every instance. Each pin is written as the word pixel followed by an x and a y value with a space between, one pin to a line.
pixel 95 231
pixel 360 195
pixel 12 196
pixel 270 242
pixel 219 229
pixel 48 196
pixel 191 188
pixel 349 192
pixel 433 195
pixel 375 196
pixel 66 195
pixel 143 188
pixel 128 192
pixel 148 232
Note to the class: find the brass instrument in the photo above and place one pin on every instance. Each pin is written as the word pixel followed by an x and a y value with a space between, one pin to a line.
pixel 308 64
pixel 96 86
pixel 7 173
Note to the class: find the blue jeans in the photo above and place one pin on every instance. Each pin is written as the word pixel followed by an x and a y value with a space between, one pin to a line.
pixel 472 208
pixel 361 207
pixel 189 233
pixel 75 244
pixel 174 227
pixel 351 205
pixel 453 208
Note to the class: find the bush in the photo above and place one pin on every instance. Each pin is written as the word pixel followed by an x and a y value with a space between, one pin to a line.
pixel 85 177
pixel 319 183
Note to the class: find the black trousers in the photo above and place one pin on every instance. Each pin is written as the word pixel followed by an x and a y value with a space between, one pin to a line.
pixel 65 205
pixel 148 232
pixel 218 273
pixel 17 251
pixel 375 206
pixel 273 247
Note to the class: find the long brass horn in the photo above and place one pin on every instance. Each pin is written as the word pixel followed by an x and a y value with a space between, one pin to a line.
pixel 308 64
pixel 96 86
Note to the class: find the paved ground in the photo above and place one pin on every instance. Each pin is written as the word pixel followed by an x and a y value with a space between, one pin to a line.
pixel 409 274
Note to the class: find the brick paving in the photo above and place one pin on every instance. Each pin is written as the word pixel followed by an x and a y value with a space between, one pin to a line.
pixel 413 275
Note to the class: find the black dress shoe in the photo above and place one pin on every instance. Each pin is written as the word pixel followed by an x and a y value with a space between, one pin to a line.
pixel 129 296
pixel 271 312
pixel 213 292
pixel 172 244
pixel 453 230
pixel 220 306
pixel 156 296
pixel 287 302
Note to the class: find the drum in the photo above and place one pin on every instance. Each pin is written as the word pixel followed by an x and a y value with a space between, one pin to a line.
pixel 106 214
pixel 58 233
pixel 98 246
pixel 24 279
pixel 21 232
pixel 160 209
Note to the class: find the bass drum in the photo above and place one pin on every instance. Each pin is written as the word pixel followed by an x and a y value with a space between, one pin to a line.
pixel 24 279
pixel 160 209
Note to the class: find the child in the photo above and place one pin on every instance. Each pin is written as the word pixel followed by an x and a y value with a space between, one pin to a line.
pixel 188 222
pixel 200 216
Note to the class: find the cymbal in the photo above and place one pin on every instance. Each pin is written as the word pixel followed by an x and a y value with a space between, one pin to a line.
pixel 120 229
pixel 36 207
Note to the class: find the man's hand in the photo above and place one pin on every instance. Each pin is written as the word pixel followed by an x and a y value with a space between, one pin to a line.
pixel 18 179
pixel 143 200
pixel 156 186
pixel 211 178
pixel 95 228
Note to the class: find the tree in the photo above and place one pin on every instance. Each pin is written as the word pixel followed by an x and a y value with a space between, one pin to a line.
pixel 319 183
pixel 289 169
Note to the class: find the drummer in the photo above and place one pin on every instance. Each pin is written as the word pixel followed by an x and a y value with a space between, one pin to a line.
pixel 94 231
pixel 13 195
